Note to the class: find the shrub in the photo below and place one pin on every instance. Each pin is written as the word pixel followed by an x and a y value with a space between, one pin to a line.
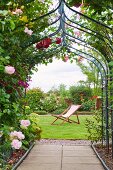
pixel 41 112
pixel 34 99
pixel 58 111
pixel 88 105
pixel 50 103
pixel 80 93
pixel 94 126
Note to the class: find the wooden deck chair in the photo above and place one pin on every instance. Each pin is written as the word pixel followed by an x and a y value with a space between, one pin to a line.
pixel 65 116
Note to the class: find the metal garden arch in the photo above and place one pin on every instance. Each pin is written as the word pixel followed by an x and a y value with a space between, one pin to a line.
pixel 65 21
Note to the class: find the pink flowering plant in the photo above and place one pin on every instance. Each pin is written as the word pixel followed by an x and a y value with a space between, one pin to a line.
pixel 18 33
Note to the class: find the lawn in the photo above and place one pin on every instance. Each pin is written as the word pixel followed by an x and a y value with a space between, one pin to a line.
pixel 65 131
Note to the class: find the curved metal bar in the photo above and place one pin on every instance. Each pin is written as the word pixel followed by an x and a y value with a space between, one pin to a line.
pixel 89 56
pixel 91 19
pixel 50 35
pixel 89 33
pixel 73 40
pixel 79 40
pixel 52 11
pixel 52 23
pixel 106 90
pixel 84 27
pixel 50 51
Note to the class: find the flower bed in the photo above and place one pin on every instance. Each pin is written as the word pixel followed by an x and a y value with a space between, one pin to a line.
pixel 103 155
pixel 17 157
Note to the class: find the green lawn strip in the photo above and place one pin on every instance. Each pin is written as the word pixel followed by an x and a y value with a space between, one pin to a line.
pixel 65 131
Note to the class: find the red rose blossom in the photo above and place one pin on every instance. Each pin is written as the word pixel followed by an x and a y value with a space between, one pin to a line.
pixel 58 40
pixel 44 43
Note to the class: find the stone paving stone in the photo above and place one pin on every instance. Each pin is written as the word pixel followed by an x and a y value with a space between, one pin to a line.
pixel 88 160
pixel 58 157
pixel 82 167
pixel 45 153
pixel 47 147
pixel 86 148
pixel 40 167
pixel 44 159
pixel 78 153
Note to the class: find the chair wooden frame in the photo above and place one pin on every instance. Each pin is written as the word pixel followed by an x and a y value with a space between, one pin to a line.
pixel 65 116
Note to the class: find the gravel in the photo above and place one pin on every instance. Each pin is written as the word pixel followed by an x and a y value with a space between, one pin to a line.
pixel 64 142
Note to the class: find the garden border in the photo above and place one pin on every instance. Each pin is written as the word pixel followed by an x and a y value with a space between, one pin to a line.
pixel 101 160
pixel 23 157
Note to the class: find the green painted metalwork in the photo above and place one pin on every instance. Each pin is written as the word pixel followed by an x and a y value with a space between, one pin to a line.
pixel 64 20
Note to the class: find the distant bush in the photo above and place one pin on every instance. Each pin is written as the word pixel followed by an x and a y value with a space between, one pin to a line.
pixel 88 105
pixel 50 103
pixel 80 94
pixel 41 112
pixel 58 111
pixel 34 99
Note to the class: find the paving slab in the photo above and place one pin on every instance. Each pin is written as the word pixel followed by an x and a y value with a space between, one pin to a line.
pixel 47 147
pixel 44 159
pixel 45 153
pixel 78 153
pixel 40 167
pixel 77 147
pixel 82 167
pixel 61 157
pixel 80 160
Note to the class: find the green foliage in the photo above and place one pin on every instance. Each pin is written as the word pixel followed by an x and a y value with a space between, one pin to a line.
pixel 50 103
pixel 41 112
pixel 88 105
pixel 94 126
pixel 35 129
pixel 80 94
pixel 16 50
pixel 58 111
pixel 34 99
pixel 98 5
pixel 93 76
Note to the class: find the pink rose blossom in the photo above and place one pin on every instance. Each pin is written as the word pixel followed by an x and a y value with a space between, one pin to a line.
pixel 9 69
pixel 16 144
pixel 29 32
pixel 78 33
pixel 16 134
pixel 20 135
pixel 17 11
pixel 25 123
pixel 13 134
pixel 66 58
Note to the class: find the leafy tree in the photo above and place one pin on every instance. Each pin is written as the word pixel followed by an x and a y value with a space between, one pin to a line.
pixel 93 76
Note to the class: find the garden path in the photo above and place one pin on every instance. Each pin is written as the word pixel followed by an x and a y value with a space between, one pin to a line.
pixel 47 156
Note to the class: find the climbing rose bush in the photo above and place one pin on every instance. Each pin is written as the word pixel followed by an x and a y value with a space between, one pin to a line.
pixel 18 35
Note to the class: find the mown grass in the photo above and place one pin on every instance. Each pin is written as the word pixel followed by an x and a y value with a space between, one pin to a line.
pixel 65 131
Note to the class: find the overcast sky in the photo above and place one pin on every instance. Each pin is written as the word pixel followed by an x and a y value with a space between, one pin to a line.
pixel 56 73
